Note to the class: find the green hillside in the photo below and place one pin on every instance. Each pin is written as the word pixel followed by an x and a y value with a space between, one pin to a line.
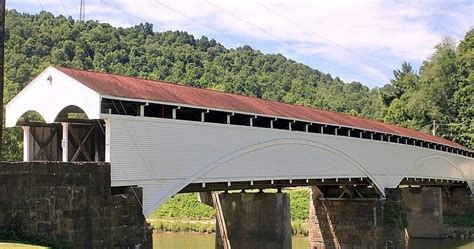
pixel 442 90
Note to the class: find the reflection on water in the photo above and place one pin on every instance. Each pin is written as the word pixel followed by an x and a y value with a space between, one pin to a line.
pixel 206 241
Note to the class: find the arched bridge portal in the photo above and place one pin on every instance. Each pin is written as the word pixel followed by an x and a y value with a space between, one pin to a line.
pixel 169 138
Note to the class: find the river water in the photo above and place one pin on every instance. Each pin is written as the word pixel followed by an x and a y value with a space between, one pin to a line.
pixel 206 241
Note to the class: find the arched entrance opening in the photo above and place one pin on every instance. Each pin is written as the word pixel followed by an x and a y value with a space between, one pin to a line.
pixel 71 137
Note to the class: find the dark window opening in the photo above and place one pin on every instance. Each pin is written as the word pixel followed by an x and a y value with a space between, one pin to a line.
pixel 366 134
pixel 120 107
pixel 314 128
pixel 393 139
pixel 159 111
pixel 378 136
pixel 298 126
pixel 240 119
pixel 282 124
pixel 190 114
pixel 343 131
pixel 262 122
pixel 330 129
pixel 356 133
pixel 217 117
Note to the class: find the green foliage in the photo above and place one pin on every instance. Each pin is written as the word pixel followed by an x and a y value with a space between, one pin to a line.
pixel 300 227
pixel 299 204
pixel 405 79
pixel 12 236
pixel 441 91
pixel 466 220
pixel 184 206
pixel 187 206
pixel 392 212
pixel 35 41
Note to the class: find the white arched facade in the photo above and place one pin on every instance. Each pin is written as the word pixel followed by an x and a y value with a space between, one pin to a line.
pixel 48 94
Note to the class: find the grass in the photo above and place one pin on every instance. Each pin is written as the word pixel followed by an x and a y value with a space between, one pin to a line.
pixel 183 226
pixel 466 220
pixel 7 245
pixel 12 239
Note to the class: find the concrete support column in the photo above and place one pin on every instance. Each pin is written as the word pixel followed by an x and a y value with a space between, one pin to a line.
pixel 356 223
pixel 255 220
pixel 65 142
pixel 26 143
pixel 425 212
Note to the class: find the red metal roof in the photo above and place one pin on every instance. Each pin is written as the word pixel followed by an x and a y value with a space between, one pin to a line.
pixel 135 88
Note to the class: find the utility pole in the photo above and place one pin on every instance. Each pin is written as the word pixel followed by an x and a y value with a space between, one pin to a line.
pixel 433 129
pixel 2 64
pixel 82 11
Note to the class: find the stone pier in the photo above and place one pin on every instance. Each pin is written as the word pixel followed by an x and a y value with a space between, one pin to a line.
pixel 357 223
pixel 254 220
pixel 425 211
pixel 457 201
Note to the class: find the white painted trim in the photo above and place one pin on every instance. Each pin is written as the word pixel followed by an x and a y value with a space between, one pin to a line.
pixel 26 143
pixel 65 142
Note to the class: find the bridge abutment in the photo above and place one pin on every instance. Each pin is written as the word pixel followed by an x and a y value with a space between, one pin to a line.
pixel 425 211
pixel 337 223
pixel 254 220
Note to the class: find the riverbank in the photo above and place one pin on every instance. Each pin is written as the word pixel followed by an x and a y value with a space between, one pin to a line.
pixel 298 227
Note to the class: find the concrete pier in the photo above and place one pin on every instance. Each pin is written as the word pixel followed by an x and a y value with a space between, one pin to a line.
pixel 424 211
pixel 254 220
pixel 356 223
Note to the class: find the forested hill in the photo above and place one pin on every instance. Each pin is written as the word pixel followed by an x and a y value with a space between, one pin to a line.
pixel 442 90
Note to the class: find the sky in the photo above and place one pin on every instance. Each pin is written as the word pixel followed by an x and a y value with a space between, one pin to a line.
pixel 361 40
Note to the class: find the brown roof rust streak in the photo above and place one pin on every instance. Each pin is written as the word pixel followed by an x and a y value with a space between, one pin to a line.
pixel 151 90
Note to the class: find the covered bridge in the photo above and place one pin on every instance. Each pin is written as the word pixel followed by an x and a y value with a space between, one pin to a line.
pixel 169 138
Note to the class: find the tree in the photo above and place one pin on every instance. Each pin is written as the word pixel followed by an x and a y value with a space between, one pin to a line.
pixel 405 79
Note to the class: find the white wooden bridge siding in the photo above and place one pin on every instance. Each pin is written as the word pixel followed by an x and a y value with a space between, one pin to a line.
pixel 163 156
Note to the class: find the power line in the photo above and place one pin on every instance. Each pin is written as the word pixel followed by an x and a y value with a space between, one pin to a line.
pixel 202 23
pixel 321 36
pixel 284 41
pixel 130 14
